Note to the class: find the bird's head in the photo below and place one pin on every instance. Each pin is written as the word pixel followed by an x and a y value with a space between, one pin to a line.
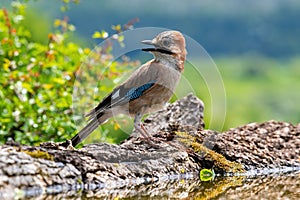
pixel 169 46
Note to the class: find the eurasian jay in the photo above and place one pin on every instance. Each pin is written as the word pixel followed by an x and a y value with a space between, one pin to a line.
pixel 147 89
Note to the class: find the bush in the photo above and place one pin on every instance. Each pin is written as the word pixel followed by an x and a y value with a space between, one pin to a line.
pixel 36 79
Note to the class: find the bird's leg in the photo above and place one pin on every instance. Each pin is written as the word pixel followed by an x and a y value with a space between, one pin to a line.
pixel 140 128
pixel 145 130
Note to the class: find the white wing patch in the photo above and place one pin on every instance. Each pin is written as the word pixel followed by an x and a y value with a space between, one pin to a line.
pixel 116 94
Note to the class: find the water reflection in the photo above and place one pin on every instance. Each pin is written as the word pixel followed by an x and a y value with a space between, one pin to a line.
pixel 277 186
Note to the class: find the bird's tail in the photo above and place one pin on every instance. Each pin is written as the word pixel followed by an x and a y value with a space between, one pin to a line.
pixel 95 119
pixel 88 129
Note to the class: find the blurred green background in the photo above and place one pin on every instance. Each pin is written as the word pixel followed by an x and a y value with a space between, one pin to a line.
pixel 255 45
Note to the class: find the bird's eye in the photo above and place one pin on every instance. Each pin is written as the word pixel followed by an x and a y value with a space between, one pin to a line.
pixel 166 42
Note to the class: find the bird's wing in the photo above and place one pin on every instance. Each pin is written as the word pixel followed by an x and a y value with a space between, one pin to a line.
pixel 140 80
pixel 121 95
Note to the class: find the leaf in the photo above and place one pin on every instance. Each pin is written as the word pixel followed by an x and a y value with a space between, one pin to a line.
pixel 117 28
pixel 57 22
pixel 116 126
pixel 121 38
pixel 97 34
pixel 28 87
pixel 71 27
pixel 207 175
pixel 48 86
pixel 102 35
pixel 59 81
pixel 6 64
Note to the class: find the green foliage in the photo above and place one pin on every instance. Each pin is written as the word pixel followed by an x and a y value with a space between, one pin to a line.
pixel 36 78
pixel 207 175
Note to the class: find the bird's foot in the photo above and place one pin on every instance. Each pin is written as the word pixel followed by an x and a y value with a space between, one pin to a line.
pixel 146 136
pixel 150 142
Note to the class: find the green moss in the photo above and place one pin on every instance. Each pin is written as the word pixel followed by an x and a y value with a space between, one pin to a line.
pixel 220 163
pixel 79 181
pixel 39 154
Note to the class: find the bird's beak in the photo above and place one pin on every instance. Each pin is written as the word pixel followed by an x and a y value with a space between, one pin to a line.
pixel 149 42
pixel 156 47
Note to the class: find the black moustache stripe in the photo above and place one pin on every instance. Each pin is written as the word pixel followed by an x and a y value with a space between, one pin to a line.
pixel 159 50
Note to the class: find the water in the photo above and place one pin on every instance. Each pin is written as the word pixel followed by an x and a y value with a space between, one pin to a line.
pixel 255 184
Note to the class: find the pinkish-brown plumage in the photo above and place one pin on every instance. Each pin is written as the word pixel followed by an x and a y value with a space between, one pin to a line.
pixel 147 89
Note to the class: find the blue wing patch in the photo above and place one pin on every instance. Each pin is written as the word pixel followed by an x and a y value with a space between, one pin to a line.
pixel 135 93
pixel 117 98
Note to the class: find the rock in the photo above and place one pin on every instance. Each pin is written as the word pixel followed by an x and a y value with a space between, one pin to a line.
pixel 186 112
pixel 179 150
pixel 271 144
